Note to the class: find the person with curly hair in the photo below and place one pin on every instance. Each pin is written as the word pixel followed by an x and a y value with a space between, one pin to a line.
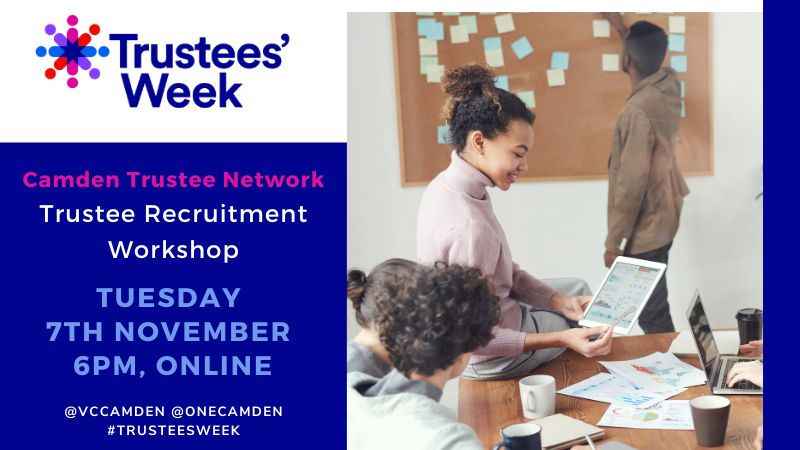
pixel 365 353
pixel 429 322
pixel 491 133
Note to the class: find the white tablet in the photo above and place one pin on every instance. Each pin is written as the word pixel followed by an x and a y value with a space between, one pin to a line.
pixel 623 294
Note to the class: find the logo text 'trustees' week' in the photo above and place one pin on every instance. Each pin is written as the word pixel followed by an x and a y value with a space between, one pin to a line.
pixel 201 54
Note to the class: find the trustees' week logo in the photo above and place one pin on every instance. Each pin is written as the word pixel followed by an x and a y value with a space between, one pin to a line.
pixel 72 51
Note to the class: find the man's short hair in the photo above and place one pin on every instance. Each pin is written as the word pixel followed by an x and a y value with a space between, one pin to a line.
pixel 646 43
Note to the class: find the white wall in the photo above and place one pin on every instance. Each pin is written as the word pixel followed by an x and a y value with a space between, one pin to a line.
pixel 558 228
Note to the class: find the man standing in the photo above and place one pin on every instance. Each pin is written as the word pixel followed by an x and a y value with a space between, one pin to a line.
pixel 645 186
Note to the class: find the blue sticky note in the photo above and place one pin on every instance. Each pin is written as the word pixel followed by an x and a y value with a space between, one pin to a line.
pixel 679 63
pixel 425 61
pixel 437 32
pixel 442 135
pixel 492 43
pixel 560 60
pixel 683 89
pixel 522 47
pixel 677 43
pixel 425 25
pixel 430 28
pixel 502 82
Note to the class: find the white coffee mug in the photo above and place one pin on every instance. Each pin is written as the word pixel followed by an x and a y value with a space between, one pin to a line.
pixel 538 396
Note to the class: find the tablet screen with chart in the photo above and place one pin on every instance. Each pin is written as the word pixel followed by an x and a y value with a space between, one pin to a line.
pixel 624 293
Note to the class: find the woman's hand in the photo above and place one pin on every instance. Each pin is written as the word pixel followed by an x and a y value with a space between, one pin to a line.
pixel 571 307
pixel 752 371
pixel 578 339
pixel 752 348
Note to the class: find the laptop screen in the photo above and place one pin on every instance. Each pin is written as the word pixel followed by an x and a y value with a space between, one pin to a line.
pixel 701 331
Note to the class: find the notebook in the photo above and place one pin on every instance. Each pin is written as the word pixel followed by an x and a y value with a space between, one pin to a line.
pixel 562 432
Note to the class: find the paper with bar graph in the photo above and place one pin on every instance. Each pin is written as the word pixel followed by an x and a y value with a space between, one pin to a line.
pixel 608 388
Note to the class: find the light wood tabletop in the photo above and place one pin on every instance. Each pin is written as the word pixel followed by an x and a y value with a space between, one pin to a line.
pixel 488 406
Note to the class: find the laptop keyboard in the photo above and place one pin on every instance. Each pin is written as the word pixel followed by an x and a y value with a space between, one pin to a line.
pixel 744 384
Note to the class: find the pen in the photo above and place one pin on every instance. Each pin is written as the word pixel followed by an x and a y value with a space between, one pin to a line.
pixel 589 441
pixel 619 319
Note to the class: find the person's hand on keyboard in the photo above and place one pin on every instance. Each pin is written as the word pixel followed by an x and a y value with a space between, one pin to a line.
pixel 752 371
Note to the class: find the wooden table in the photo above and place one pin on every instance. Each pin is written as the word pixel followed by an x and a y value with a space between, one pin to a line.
pixel 488 406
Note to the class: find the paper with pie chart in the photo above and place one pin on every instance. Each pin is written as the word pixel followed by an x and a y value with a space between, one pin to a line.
pixel 605 387
pixel 657 372
pixel 667 415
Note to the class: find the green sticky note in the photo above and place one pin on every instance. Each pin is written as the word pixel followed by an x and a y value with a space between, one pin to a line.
pixel 471 22
pixel 425 61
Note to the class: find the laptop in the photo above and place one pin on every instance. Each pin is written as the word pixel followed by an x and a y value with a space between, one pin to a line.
pixel 715 365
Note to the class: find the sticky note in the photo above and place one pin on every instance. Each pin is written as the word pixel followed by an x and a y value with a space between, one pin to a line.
pixel 428 47
pixel 487 13
pixel 522 47
pixel 442 134
pixel 683 108
pixel 677 24
pixel 559 60
pixel 495 58
pixel 435 73
pixel 471 22
pixel 679 63
pixel 425 14
pixel 492 43
pixel 528 98
pixel 458 34
pixel 677 43
pixel 450 13
pixel 437 32
pixel 425 26
pixel 601 28
pixel 502 82
pixel 425 62
pixel 683 89
pixel 505 23
pixel 610 62
pixel 555 77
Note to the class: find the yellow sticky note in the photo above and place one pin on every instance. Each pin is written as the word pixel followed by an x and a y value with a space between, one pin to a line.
pixel 505 23
pixel 555 77
pixel 459 34
pixel 677 24
pixel 428 47
pixel 610 62
pixel 495 58
pixel 601 28
pixel 435 73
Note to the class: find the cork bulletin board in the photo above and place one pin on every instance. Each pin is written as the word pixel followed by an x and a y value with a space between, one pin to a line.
pixel 574 120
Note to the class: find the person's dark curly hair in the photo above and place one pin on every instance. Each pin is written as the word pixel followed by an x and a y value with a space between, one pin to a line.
pixel 363 290
pixel 428 321
pixel 474 103
pixel 646 43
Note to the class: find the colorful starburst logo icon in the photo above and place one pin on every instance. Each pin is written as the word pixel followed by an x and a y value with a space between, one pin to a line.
pixel 72 51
